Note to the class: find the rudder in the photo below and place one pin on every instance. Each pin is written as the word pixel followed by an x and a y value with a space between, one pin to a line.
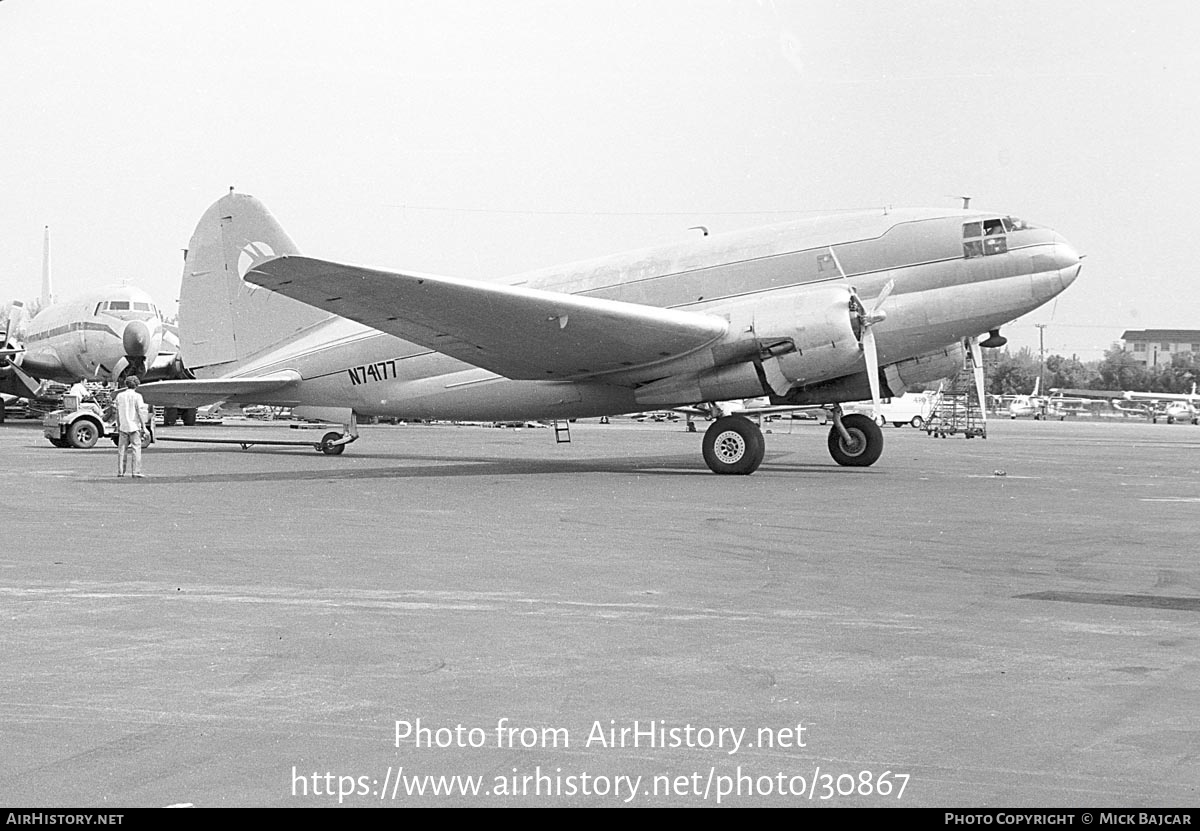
pixel 223 321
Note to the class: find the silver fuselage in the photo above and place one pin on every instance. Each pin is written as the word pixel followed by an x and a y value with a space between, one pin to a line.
pixel 941 296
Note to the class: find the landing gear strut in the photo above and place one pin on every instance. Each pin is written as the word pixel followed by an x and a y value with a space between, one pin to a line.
pixel 854 440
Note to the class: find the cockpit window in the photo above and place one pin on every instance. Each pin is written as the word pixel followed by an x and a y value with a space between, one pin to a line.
pixel 982 239
pixel 118 305
pixel 141 307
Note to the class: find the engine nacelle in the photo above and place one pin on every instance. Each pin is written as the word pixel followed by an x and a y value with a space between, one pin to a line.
pixel 823 328
pixel 940 363
pixel 800 337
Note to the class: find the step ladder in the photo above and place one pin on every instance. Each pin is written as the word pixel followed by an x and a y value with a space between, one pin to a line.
pixel 956 408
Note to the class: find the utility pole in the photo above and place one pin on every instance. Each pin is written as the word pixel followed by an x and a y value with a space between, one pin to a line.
pixel 1042 356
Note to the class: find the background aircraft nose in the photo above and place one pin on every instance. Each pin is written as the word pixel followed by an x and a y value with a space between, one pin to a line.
pixel 136 338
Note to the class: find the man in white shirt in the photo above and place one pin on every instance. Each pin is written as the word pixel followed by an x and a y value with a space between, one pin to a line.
pixel 79 390
pixel 131 421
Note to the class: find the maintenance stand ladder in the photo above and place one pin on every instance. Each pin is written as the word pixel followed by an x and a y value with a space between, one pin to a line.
pixel 562 431
pixel 957 409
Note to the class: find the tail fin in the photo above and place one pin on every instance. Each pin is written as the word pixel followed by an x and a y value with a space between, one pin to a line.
pixel 47 290
pixel 222 320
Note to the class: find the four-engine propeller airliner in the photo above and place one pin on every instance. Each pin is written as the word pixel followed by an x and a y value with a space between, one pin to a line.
pixel 813 312
pixel 100 335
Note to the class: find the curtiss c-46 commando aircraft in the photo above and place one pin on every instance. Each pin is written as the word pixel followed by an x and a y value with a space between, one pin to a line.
pixel 807 313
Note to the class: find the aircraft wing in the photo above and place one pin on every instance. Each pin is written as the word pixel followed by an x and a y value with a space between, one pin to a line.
pixel 198 392
pixel 1152 397
pixel 521 333
pixel 1126 395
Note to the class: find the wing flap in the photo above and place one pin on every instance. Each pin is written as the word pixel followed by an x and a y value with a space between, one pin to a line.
pixel 521 333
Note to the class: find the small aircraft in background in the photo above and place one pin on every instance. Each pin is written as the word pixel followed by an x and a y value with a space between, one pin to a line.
pixel 1038 406
pixel 1168 406
pixel 1044 407
pixel 1173 407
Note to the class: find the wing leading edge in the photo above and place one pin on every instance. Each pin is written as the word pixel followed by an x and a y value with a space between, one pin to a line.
pixel 521 333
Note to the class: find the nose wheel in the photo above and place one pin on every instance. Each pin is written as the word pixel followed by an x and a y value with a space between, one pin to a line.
pixel 734 445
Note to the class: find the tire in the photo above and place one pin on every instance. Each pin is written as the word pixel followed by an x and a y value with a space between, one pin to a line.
pixel 83 434
pixel 189 416
pixel 733 446
pixel 917 422
pixel 328 447
pixel 59 442
pixel 170 416
pixel 868 442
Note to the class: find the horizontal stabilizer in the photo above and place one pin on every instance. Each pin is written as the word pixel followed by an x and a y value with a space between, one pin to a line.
pixel 197 393
pixel 18 382
pixel 521 333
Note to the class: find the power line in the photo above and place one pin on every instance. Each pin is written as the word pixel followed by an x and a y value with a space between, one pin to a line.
pixel 451 209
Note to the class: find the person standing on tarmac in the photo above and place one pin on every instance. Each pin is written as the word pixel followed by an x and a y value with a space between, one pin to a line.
pixel 131 423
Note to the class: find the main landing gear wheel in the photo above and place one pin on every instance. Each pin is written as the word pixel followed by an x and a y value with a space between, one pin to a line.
pixel 734 445
pixel 865 445
pixel 328 447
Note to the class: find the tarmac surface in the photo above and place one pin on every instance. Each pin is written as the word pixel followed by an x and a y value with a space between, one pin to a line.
pixel 1009 622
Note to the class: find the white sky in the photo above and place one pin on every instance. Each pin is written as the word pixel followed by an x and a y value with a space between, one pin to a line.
pixel 479 139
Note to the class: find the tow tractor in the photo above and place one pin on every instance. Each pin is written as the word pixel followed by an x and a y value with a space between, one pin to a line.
pixel 81 423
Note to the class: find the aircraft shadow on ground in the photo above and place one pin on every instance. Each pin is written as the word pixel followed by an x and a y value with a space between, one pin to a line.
pixel 408 466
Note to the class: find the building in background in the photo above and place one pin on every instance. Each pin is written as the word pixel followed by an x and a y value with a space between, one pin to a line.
pixel 1154 347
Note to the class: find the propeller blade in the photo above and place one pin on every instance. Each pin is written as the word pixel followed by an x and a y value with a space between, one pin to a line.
pixel 977 365
pixel 883 296
pixel 872 358
pixel 11 323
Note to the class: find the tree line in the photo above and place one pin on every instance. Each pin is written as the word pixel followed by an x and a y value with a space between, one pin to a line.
pixel 1014 373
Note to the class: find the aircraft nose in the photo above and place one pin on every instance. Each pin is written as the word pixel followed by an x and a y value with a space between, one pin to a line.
pixel 136 338
pixel 1067 260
